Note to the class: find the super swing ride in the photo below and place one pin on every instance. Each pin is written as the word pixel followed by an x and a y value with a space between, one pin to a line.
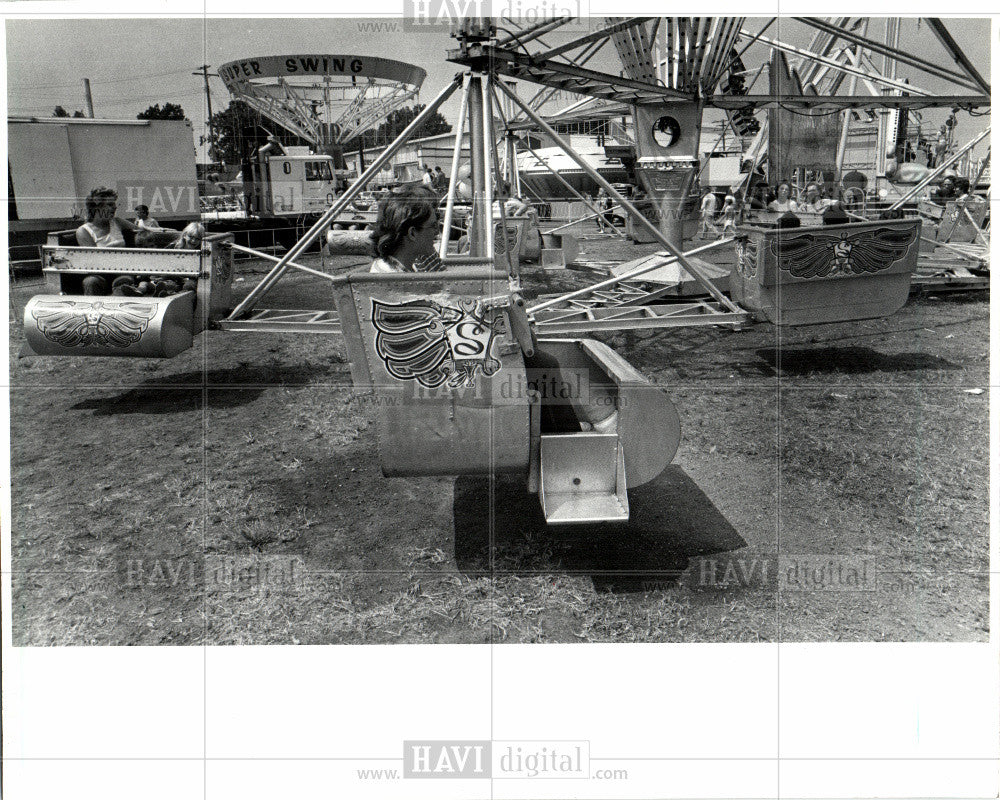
pixel 440 350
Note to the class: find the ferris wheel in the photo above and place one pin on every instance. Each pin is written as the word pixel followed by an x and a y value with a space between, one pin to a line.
pixel 324 99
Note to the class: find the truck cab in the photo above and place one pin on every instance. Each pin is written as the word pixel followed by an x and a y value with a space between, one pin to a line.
pixel 292 183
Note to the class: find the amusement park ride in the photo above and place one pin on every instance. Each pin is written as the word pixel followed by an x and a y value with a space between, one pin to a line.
pixel 325 100
pixel 438 349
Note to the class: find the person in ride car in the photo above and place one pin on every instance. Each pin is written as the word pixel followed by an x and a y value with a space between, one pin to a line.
pixel 405 232
pixel 104 229
pixel 814 202
pixel 783 198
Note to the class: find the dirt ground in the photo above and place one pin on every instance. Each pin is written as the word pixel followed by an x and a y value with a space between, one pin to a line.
pixel 831 484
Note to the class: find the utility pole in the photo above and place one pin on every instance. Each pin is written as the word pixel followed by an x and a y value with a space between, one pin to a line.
pixel 88 97
pixel 203 71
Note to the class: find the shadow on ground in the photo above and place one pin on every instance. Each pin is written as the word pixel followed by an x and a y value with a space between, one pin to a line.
pixel 849 360
pixel 671 521
pixel 227 388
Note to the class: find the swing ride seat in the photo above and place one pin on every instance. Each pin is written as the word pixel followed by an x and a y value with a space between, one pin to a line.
pixel 958 225
pixel 442 358
pixel 562 242
pixel 65 322
pixel 509 233
pixel 828 273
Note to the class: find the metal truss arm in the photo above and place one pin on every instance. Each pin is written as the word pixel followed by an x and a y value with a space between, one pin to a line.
pixel 342 202
pixel 651 265
pixel 884 49
pixel 955 51
pixel 354 109
pixel 268 109
pixel 304 114
pixel 375 110
pixel 846 101
pixel 690 268
pixel 582 58
pixel 565 76
pixel 591 37
pixel 456 157
pixel 787 48
pixel 532 33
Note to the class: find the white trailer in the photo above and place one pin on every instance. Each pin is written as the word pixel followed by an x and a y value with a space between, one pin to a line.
pixel 54 163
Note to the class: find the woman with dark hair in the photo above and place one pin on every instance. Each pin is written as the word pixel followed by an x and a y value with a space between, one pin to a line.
pixel 405 231
pixel 103 228
pixel 782 201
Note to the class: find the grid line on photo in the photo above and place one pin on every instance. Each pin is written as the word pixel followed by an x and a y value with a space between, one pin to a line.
pixel 782 388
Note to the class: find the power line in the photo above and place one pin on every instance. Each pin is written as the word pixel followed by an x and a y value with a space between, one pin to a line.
pixel 98 83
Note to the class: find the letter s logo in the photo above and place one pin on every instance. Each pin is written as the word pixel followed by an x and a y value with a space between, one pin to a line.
pixel 470 344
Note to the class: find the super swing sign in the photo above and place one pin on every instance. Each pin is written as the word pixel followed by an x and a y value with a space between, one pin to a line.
pixel 237 74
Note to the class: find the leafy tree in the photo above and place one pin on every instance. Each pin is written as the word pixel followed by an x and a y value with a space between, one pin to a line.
pixel 169 111
pixel 59 111
pixel 394 124
pixel 239 130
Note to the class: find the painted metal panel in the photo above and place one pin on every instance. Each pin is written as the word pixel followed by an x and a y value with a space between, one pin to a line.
pixel 443 370
pixel 77 325
pixel 832 273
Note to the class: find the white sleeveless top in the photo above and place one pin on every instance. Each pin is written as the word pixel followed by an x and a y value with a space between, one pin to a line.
pixel 428 263
pixel 113 238
pixel 388 264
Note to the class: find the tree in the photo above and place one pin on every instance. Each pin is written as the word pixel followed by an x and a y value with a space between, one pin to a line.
pixel 238 131
pixel 169 111
pixel 394 124
pixel 59 111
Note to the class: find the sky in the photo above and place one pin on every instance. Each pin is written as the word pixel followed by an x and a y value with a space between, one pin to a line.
pixel 134 63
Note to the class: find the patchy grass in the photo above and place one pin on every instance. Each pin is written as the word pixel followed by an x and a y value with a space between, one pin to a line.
pixel 135 480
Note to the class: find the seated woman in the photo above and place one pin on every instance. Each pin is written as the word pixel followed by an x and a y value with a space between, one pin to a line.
pixel 403 238
pixel 783 200
pixel 405 231
pixel 103 228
